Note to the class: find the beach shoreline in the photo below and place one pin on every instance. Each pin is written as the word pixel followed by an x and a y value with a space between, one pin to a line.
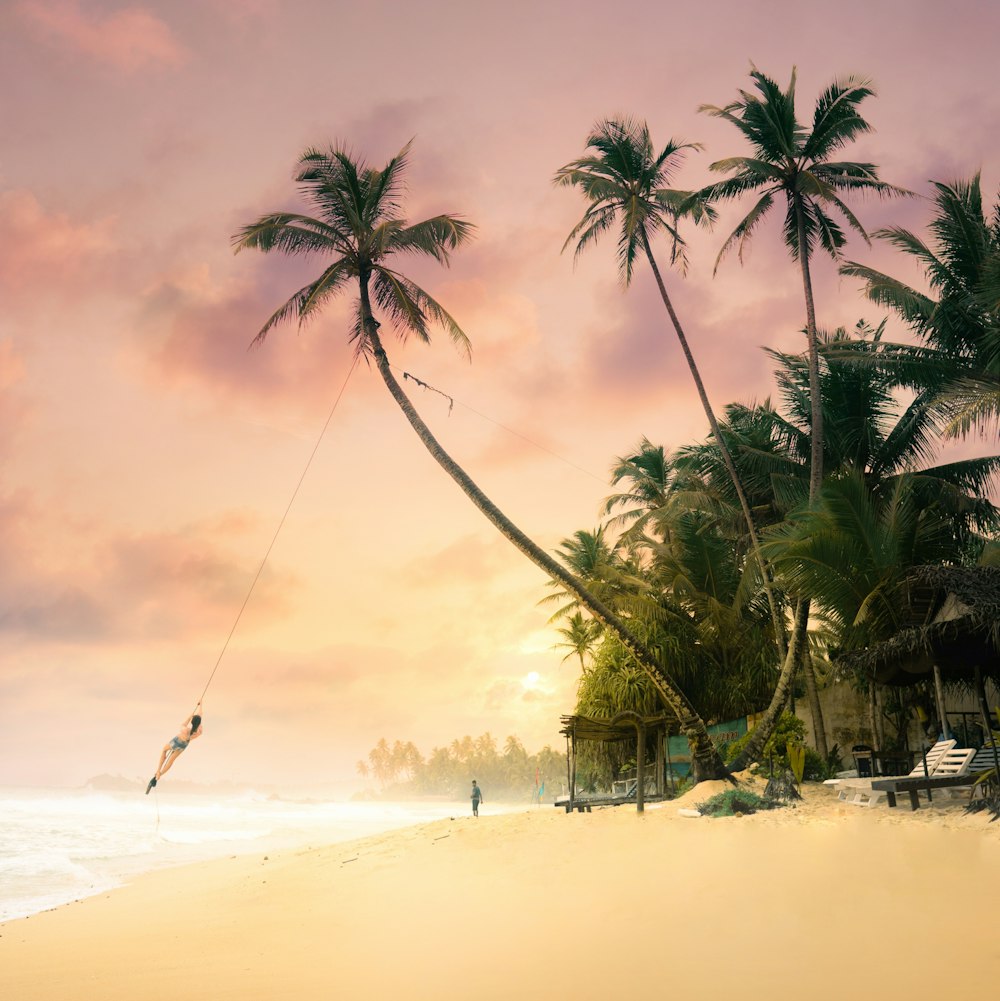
pixel 808 901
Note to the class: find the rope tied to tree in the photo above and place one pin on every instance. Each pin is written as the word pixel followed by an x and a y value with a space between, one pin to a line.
pixel 433 389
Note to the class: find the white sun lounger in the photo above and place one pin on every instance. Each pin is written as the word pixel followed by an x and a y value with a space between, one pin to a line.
pixel 952 772
pixel 859 792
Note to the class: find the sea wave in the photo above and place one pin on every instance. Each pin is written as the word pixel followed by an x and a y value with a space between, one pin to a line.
pixel 57 846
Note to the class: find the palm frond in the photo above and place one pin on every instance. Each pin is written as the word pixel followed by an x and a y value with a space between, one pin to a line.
pixel 290 233
pixel 745 229
pixel 434 237
pixel 836 120
pixel 309 298
pixel 410 308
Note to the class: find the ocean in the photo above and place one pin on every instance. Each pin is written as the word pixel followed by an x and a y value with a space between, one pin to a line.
pixel 59 845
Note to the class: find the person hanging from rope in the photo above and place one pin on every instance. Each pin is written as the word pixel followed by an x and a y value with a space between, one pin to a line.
pixel 190 729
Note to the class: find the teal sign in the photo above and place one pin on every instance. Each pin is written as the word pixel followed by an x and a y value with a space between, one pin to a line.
pixel 679 756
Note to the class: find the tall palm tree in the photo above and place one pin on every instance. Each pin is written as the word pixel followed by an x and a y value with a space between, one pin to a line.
pixel 625 182
pixel 794 164
pixel 361 227
pixel 959 322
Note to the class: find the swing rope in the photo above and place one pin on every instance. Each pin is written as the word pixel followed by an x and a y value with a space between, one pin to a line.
pixel 277 531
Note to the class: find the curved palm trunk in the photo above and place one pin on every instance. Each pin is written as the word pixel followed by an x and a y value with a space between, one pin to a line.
pixel 765 569
pixel 765 727
pixel 705 760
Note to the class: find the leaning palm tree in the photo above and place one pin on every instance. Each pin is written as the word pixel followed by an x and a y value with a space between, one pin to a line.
pixel 625 182
pixel 361 227
pixel 794 164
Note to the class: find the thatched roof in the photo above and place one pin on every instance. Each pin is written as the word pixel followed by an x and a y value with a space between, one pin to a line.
pixel 955 613
pixel 619 728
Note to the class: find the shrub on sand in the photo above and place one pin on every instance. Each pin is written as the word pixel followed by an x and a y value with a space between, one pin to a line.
pixel 735 803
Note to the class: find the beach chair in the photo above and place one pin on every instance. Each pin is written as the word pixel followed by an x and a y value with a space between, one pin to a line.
pixel 952 771
pixel 859 791
pixel 982 763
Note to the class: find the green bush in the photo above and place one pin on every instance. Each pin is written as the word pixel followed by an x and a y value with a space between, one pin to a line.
pixel 789 729
pixel 735 803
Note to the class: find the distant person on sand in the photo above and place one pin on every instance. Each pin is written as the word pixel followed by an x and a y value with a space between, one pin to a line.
pixel 477 796
pixel 190 729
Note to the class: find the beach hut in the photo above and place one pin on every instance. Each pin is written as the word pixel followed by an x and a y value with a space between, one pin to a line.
pixel 625 726
pixel 952 637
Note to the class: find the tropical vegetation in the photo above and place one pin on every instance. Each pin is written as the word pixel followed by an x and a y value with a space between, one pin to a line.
pixel 360 230
pixel 958 321
pixel 722 570
pixel 795 164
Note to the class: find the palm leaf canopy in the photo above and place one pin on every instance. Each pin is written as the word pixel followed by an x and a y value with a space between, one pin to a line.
pixel 962 319
pixel 793 162
pixel 959 321
pixel 624 179
pixel 359 223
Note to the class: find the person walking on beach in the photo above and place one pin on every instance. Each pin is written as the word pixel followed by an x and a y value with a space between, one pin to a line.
pixel 477 797
pixel 190 729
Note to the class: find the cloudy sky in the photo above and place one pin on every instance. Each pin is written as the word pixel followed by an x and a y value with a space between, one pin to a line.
pixel 147 456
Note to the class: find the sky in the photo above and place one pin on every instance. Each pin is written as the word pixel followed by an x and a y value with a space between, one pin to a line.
pixel 147 456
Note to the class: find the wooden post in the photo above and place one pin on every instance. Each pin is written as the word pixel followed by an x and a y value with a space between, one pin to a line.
pixel 660 784
pixel 984 708
pixel 572 777
pixel 939 695
pixel 640 768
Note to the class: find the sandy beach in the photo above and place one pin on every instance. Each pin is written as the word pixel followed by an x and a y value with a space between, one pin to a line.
pixel 823 900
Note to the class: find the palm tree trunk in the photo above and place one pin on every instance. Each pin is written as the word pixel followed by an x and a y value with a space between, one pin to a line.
pixel 812 339
pixel 705 759
pixel 812 693
pixel 765 569
pixel 764 729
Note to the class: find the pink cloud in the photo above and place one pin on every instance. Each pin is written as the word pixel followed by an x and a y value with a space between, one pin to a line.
pixel 128 39
pixel 50 250
pixel 205 339
pixel 61 580
pixel 14 407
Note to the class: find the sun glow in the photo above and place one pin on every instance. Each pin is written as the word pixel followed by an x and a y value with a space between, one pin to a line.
pixel 531 681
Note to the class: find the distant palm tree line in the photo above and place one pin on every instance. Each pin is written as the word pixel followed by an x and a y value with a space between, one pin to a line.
pixel 401 770
pixel 696 594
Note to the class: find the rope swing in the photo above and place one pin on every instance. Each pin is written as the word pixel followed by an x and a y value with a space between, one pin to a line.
pixel 277 531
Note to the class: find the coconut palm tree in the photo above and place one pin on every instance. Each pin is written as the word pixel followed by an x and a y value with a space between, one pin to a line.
pixel 870 434
pixel 959 322
pixel 794 164
pixel 361 227
pixel 580 635
pixel 856 548
pixel 624 181
pixel 648 475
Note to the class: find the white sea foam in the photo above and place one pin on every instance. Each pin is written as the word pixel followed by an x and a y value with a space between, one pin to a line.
pixel 59 846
